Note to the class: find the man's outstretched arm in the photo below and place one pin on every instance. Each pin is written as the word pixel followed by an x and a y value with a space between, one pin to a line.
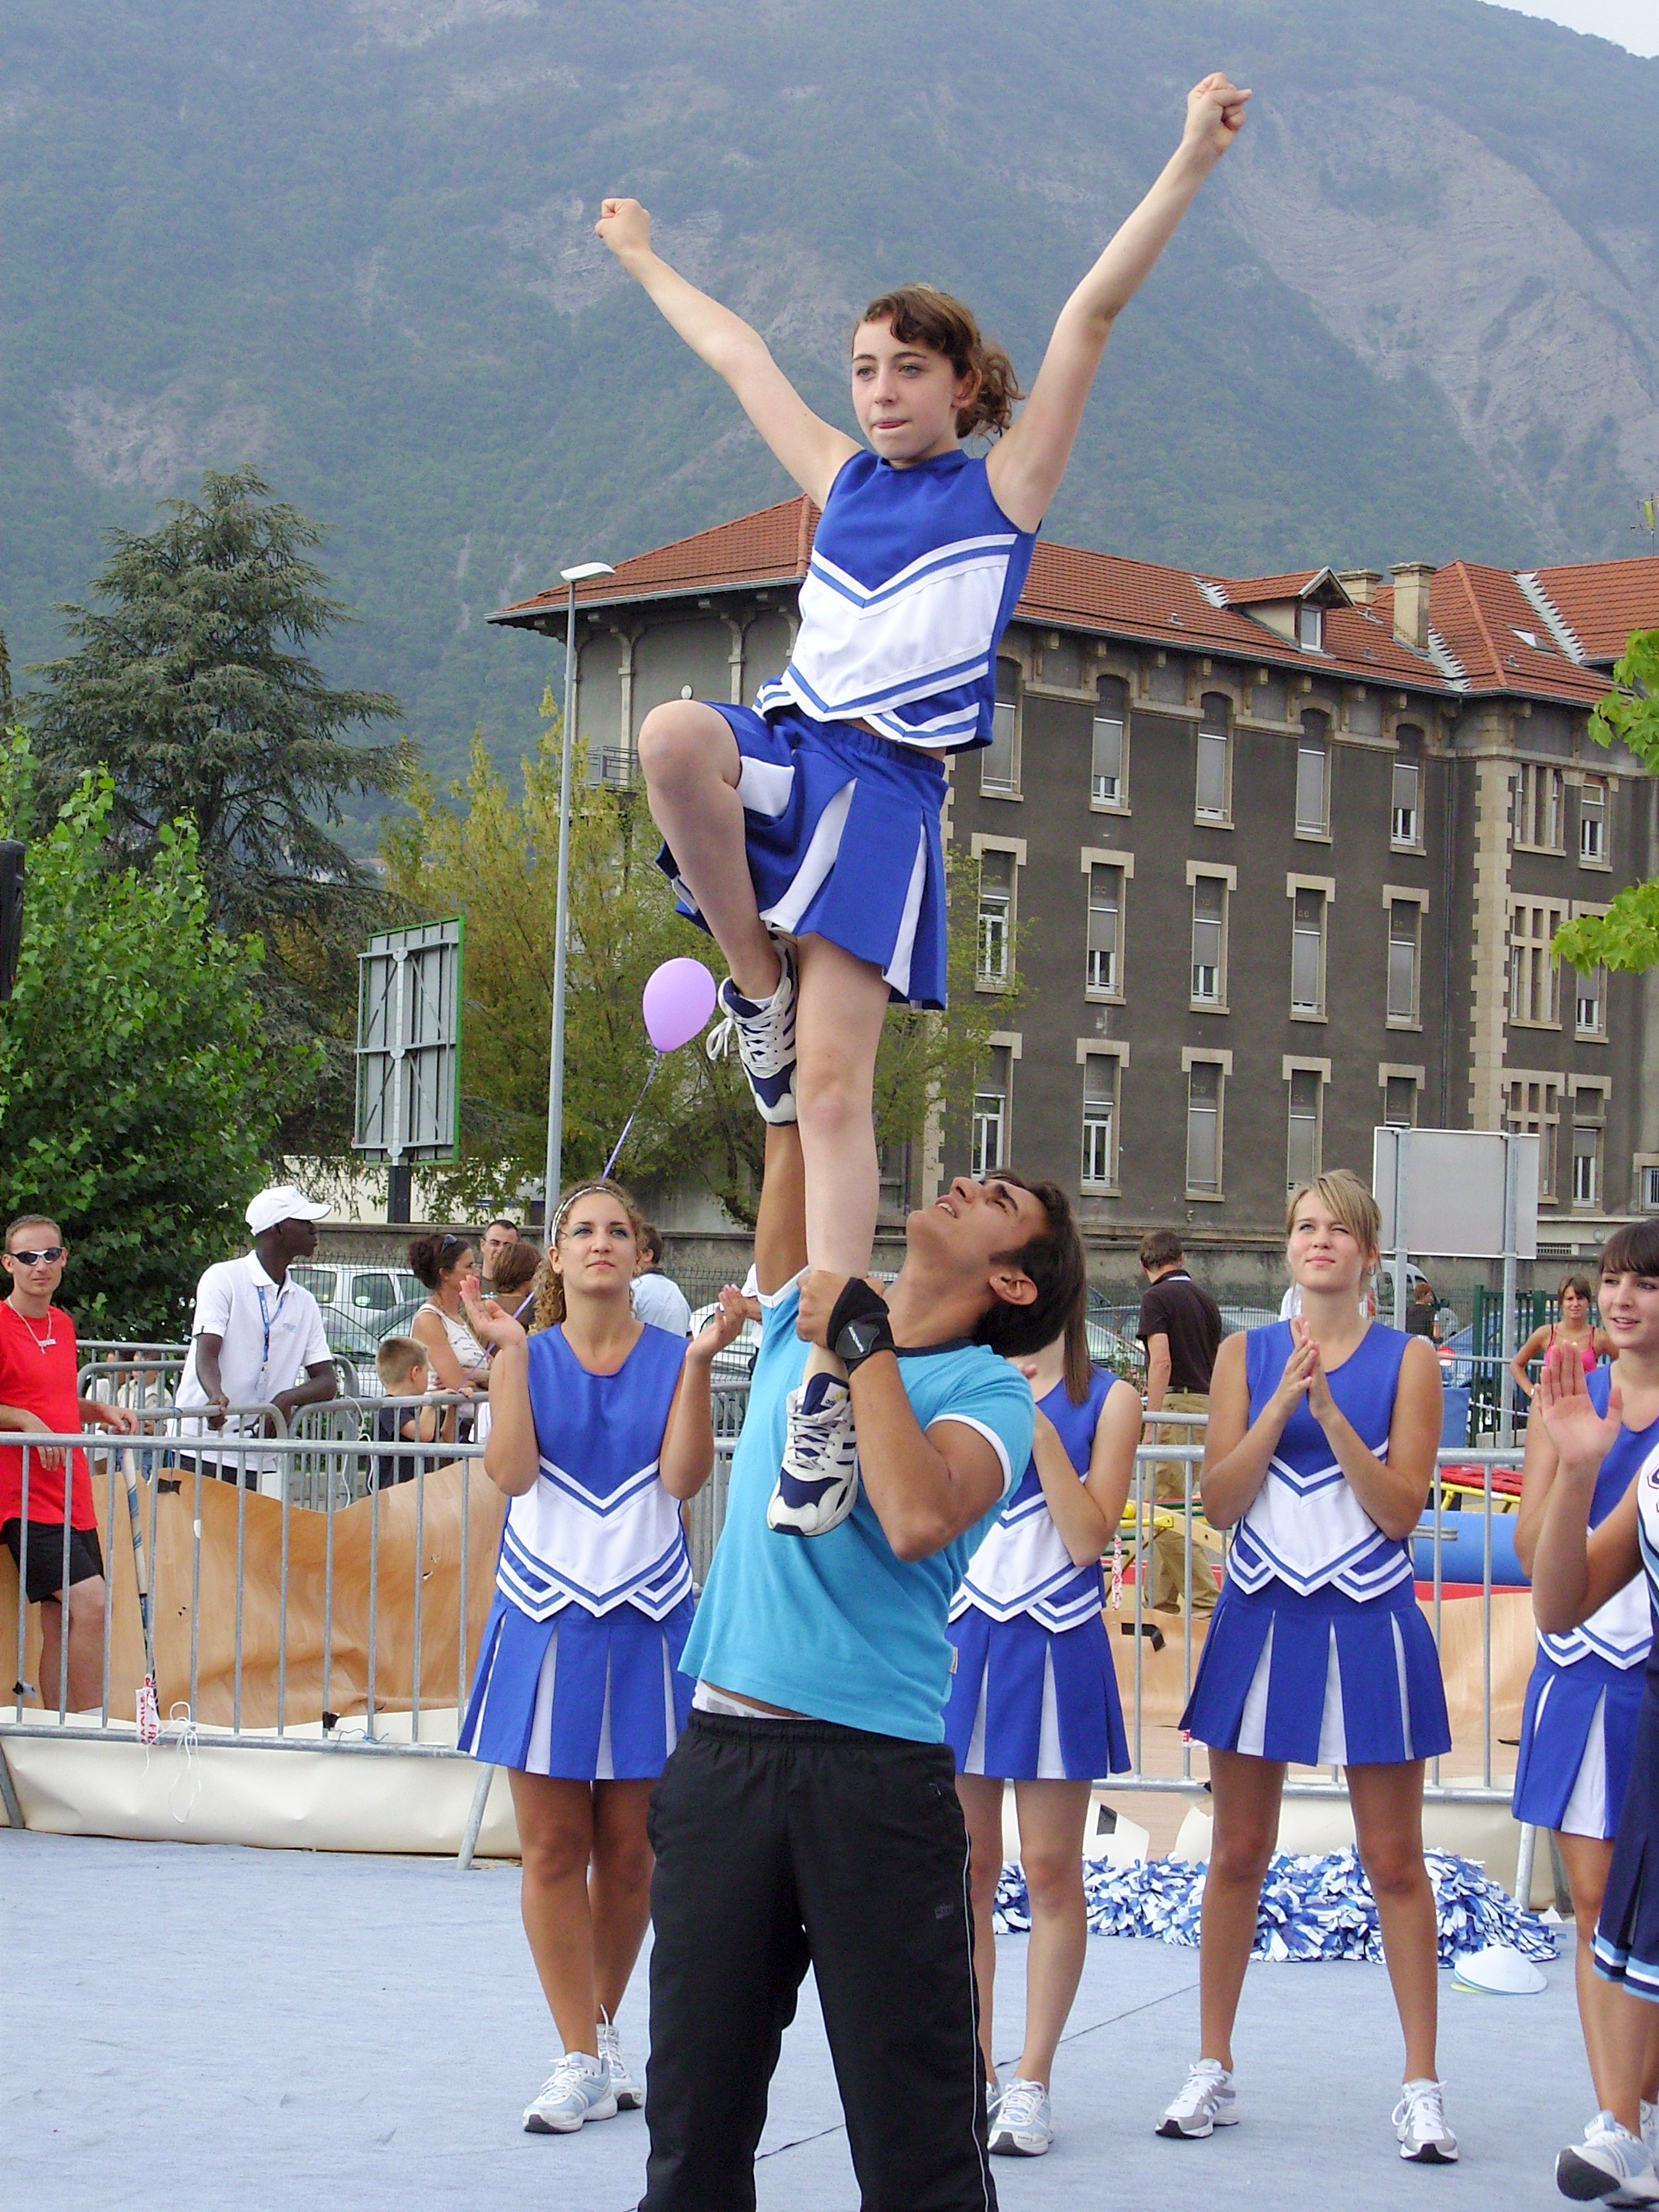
pixel 781 1224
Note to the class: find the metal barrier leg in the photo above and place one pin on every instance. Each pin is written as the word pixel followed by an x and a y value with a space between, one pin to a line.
pixel 1523 1858
pixel 474 1820
pixel 8 1794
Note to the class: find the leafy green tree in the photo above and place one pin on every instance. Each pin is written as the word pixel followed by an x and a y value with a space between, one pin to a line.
pixel 1627 935
pixel 478 850
pixel 193 687
pixel 135 1105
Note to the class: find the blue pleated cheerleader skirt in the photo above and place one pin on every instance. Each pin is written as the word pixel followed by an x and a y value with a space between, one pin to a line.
pixel 1577 1734
pixel 584 1699
pixel 843 838
pixel 1627 1935
pixel 1031 1705
pixel 1324 1680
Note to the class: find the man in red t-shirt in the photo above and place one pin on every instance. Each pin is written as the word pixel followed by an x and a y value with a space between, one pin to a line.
pixel 39 1370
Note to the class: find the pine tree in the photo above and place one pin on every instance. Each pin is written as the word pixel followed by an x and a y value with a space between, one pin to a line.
pixel 193 687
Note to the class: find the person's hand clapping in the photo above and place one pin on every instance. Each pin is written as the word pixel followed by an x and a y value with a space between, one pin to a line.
pixel 723 1327
pixel 490 1322
pixel 1295 1383
pixel 1582 1437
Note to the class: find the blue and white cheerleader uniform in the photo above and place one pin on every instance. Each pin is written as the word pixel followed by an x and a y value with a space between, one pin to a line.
pixel 1318 1653
pixel 915 573
pixel 1034 1696
pixel 1627 1934
pixel 1578 1724
pixel 578 1670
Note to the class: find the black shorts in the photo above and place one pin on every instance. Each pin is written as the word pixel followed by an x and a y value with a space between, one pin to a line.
pixel 46 1567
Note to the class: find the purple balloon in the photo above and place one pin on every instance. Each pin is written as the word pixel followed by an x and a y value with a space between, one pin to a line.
pixel 679 998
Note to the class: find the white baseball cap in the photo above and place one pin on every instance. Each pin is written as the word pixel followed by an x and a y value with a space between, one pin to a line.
pixel 282 1203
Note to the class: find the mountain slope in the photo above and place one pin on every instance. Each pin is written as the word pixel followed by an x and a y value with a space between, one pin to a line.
pixel 1414 315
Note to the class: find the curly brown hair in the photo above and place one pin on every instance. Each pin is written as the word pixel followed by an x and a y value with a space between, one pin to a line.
pixel 922 315
pixel 549 1298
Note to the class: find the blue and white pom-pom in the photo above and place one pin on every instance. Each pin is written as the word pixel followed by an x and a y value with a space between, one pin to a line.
pixel 1311 1908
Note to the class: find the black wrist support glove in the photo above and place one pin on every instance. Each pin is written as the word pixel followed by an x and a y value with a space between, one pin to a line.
pixel 859 1326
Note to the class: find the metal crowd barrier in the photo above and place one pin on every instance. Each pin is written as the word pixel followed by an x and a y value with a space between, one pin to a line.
pixel 326 1465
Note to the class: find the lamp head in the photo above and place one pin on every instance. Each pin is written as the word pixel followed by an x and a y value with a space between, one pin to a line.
pixel 584 569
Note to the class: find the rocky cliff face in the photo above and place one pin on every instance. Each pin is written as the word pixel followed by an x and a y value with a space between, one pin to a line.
pixel 1422 250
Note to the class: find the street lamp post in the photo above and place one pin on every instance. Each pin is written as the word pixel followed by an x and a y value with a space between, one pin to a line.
pixel 571 578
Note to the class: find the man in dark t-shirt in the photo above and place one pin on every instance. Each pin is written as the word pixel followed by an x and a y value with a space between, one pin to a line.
pixel 1180 1327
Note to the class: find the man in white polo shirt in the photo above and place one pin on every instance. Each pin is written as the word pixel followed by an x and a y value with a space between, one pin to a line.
pixel 257 1337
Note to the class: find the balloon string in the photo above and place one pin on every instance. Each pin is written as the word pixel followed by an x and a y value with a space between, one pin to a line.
pixel 629 1123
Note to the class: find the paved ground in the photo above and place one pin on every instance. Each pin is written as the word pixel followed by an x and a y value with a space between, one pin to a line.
pixel 206 2029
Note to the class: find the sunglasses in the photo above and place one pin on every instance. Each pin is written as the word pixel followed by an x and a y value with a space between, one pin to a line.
pixel 52 1254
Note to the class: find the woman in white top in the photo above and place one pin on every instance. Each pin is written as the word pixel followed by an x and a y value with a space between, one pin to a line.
pixel 444 1263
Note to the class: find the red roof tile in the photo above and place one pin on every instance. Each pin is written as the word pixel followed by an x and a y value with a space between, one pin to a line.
pixel 1602 601
pixel 1477 613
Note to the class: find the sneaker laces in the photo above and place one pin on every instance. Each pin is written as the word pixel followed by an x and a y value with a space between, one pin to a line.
pixel 1207 2077
pixel 817 1432
pixel 1020 2104
pixel 1421 2101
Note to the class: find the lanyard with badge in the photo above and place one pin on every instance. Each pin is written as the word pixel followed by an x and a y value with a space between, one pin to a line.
pixel 267 1316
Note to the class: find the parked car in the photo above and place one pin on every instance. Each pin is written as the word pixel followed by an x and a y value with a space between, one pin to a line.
pixel 361 1306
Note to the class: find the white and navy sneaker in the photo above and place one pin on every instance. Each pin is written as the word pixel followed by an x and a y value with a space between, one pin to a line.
pixel 763 1030
pixel 1419 2124
pixel 818 1485
pixel 628 2094
pixel 1610 2166
pixel 578 2089
pixel 1023 2125
pixel 1206 2101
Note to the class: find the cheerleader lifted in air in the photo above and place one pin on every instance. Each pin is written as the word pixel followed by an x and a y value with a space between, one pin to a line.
pixel 804 832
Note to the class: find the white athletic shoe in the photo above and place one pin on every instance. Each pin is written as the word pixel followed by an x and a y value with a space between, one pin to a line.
pixel 1207 2100
pixel 628 2093
pixel 763 1030
pixel 1650 2128
pixel 1023 2126
pixel 578 2089
pixel 818 1485
pixel 1419 2124
pixel 1611 2167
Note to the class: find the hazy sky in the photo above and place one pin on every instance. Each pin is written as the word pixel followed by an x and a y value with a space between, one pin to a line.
pixel 1632 23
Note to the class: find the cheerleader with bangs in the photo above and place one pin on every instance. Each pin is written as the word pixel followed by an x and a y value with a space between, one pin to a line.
pixel 1033 1700
pixel 1321 1450
pixel 601 1428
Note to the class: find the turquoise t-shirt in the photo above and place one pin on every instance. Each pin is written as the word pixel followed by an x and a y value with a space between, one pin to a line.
pixel 838 1627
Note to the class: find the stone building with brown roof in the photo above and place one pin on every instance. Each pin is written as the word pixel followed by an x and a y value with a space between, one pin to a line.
pixel 1272 860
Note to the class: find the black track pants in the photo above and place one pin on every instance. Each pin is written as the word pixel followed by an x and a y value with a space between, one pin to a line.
pixel 785 1843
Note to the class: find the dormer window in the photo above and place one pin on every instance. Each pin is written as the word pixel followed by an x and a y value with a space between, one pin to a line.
pixel 1311 626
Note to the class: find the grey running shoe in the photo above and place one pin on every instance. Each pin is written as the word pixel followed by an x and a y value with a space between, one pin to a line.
pixel 577 2090
pixel 1419 2124
pixel 1024 2124
pixel 1206 2101
pixel 630 2095
pixel 1610 2166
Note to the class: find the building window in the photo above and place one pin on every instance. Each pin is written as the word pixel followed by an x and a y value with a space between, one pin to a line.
pixel 1307 953
pixel 1105 913
pixel 1301 1146
pixel 998 762
pixel 1533 1108
pixel 1398 1102
pixel 1539 818
pixel 1209 941
pixel 996 904
pixel 1405 822
pixel 1535 976
pixel 1405 934
pixel 1593 823
pixel 1590 1015
pixel 990 1139
pixel 1099 1120
pixel 1107 784
pixel 1648 1188
pixel 893 1172
pixel 1213 728
pixel 1311 626
pixel 1313 762
pixel 1204 1080
pixel 1586 1154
